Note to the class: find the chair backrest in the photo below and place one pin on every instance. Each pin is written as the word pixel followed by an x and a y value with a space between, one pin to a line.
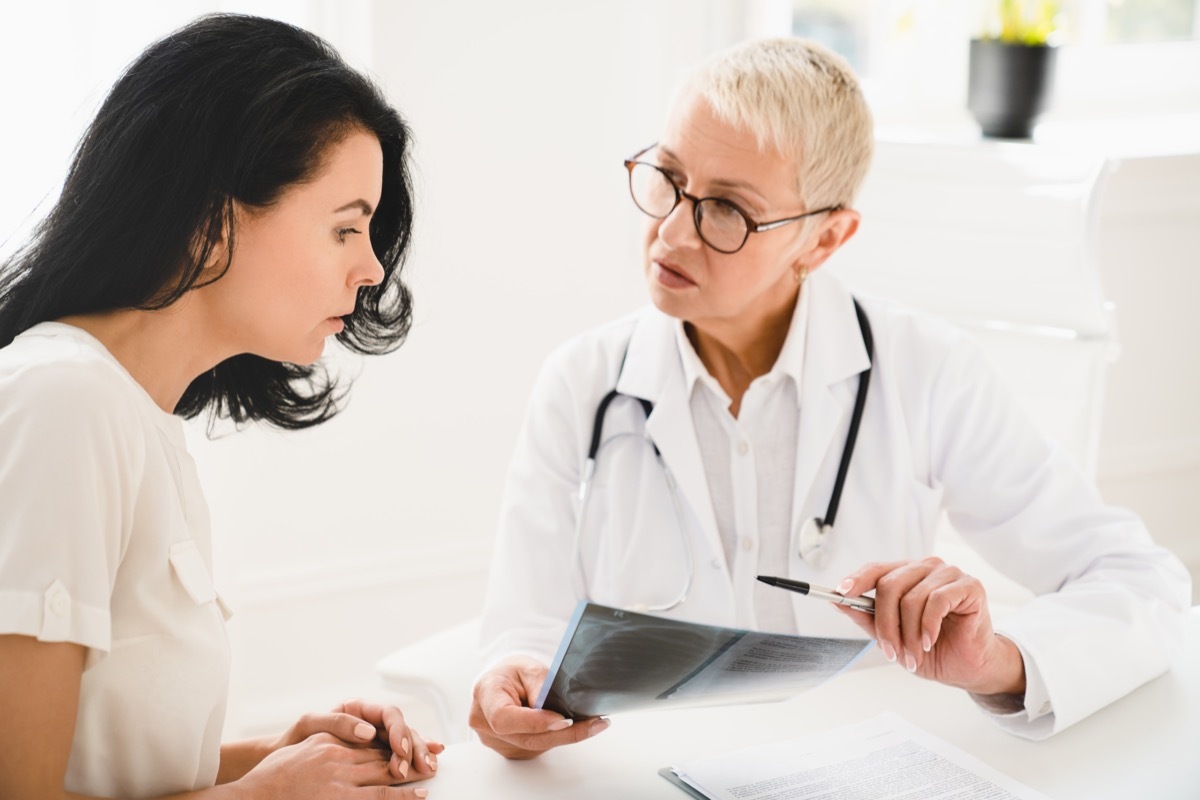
pixel 1001 239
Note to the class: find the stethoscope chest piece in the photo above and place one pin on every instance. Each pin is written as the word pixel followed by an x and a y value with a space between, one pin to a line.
pixel 814 542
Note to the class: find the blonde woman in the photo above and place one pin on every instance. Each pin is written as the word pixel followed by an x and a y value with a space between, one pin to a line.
pixel 778 401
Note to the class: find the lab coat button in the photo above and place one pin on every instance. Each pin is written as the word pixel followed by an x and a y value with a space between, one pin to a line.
pixel 743 448
pixel 716 562
pixel 1045 708
pixel 747 543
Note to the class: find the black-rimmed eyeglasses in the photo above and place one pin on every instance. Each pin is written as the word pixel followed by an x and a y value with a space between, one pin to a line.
pixel 721 224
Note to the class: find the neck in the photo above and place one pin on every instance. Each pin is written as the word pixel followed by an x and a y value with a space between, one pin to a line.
pixel 163 350
pixel 736 352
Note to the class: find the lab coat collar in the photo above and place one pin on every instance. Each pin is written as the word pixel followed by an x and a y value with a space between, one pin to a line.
pixel 833 355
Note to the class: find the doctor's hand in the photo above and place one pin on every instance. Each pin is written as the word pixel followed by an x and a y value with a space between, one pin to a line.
pixel 934 619
pixel 500 712
pixel 362 724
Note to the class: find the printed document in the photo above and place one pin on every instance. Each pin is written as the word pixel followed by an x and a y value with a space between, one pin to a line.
pixel 881 758
pixel 612 660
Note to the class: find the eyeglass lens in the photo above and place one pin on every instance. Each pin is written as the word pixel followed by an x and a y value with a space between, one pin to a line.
pixel 718 222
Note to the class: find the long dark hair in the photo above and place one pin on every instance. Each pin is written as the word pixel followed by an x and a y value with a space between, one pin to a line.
pixel 229 107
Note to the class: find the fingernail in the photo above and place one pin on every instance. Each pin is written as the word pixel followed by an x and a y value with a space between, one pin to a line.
pixel 598 726
pixel 364 731
pixel 429 762
pixel 404 745
pixel 910 663
pixel 926 643
pixel 403 769
pixel 421 792
pixel 888 652
pixel 844 586
pixel 562 724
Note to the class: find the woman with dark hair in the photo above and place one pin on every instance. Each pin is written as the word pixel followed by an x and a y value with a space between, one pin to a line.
pixel 241 196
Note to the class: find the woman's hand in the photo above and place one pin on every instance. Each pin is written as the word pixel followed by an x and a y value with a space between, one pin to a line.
pixel 361 724
pixel 323 767
pixel 501 715
pixel 934 619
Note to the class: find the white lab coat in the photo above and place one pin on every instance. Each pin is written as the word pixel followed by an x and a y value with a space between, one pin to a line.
pixel 938 433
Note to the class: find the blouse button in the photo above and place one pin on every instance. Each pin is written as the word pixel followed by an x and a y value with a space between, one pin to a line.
pixel 60 604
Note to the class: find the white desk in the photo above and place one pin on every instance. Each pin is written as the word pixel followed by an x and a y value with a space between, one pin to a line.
pixel 1146 745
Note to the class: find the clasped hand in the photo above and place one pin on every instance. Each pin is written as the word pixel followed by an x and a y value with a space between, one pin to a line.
pixel 354 746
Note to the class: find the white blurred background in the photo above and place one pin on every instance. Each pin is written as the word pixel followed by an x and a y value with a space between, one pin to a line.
pixel 337 545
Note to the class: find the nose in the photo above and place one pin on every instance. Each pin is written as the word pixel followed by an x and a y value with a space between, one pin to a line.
pixel 678 229
pixel 368 271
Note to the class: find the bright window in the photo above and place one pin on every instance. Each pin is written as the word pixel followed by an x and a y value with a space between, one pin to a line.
pixel 1120 58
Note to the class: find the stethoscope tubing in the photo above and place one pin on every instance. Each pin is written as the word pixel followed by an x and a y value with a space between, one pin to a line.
pixel 589 469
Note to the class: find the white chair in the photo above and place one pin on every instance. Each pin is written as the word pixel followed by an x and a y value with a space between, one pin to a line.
pixel 999 238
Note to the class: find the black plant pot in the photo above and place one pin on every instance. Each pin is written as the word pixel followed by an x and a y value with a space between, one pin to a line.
pixel 1008 86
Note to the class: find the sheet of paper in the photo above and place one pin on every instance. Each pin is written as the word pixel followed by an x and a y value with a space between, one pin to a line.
pixel 884 757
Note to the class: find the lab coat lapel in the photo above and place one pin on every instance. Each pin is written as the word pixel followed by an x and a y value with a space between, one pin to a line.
pixel 834 356
pixel 653 371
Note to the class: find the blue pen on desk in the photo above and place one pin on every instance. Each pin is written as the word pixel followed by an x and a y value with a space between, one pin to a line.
pixel 863 604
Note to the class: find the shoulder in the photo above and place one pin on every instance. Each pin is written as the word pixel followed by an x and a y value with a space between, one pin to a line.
pixel 918 343
pixel 61 384
pixel 598 352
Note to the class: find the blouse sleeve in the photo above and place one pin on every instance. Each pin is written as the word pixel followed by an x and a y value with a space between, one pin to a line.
pixel 70 448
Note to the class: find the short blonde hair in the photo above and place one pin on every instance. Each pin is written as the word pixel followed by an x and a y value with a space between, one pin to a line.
pixel 803 100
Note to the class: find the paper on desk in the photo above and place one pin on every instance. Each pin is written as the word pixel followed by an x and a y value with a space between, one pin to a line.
pixel 885 757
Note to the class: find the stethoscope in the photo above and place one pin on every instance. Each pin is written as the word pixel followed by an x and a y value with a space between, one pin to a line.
pixel 814 533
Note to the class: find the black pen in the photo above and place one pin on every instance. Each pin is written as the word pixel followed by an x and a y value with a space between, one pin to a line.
pixel 863 604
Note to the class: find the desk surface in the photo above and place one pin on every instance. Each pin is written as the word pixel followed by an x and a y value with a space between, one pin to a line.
pixel 1145 745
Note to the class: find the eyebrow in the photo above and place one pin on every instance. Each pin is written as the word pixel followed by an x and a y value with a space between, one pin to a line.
pixel 720 183
pixel 360 204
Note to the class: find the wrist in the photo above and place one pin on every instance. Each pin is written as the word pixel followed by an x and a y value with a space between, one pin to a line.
pixel 1003 670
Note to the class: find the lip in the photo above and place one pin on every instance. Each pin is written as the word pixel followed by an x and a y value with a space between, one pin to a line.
pixel 671 275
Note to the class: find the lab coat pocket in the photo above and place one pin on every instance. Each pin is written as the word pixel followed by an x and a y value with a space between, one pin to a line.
pixel 191 571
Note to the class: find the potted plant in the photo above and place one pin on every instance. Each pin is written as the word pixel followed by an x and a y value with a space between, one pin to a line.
pixel 1011 67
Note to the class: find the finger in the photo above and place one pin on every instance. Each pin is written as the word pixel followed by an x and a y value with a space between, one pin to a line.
pixel 375 773
pixel 865 578
pixel 501 698
pixel 890 589
pixel 516 745
pixel 916 613
pixel 964 596
pixel 424 760
pixel 387 718
pixel 347 727
pixel 864 621
pixel 402 793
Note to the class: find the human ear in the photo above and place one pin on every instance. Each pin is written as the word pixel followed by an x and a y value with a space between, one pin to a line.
pixel 835 231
